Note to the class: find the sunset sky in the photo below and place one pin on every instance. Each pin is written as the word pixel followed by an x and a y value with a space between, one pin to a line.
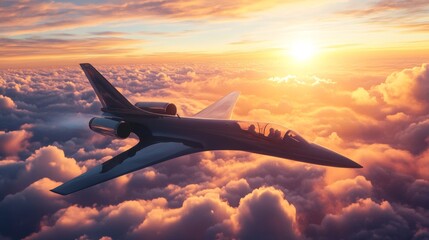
pixel 352 76
pixel 58 32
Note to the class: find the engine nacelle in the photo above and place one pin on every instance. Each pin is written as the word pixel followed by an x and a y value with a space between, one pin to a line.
pixel 158 107
pixel 110 127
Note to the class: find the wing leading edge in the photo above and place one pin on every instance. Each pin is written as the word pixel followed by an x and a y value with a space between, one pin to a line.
pixel 146 157
pixel 222 109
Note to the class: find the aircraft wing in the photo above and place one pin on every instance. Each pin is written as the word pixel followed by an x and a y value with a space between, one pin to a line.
pixel 222 109
pixel 124 163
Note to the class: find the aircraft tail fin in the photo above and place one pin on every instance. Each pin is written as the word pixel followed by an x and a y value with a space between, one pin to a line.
pixel 109 97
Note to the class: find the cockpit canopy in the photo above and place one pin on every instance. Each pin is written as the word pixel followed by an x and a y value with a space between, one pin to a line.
pixel 271 131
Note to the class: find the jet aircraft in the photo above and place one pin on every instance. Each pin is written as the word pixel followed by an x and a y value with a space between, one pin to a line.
pixel 164 135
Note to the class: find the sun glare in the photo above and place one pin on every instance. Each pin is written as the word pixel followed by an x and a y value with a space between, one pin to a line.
pixel 302 51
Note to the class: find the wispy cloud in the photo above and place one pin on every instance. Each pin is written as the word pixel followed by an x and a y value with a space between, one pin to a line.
pixel 37 47
pixel 386 5
pixel 23 17
pixel 246 42
pixel 108 33
pixel 408 15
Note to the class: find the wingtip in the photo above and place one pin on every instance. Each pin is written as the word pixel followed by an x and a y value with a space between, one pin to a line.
pixel 236 93
pixel 58 191
pixel 356 165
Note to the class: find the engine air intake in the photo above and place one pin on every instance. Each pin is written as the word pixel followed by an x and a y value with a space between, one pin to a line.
pixel 158 107
pixel 110 127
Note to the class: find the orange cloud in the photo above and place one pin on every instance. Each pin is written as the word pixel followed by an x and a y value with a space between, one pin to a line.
pixel 378 218
pixel 407 89
pixel 362 97
pixel 36 48
pixel 268 204
pixel 6 103
pixel 224 194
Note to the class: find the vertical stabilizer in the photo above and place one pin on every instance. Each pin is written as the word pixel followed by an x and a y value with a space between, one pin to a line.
pixel 109 97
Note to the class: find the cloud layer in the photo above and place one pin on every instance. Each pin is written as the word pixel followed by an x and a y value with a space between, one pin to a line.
pixel 44 141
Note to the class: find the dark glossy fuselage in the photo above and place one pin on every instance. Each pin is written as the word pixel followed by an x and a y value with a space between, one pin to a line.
pixel 212 134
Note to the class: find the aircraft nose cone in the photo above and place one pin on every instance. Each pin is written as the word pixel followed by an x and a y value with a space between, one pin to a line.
pixel 332 158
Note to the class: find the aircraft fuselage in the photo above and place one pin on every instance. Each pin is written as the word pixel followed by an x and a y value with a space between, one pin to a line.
pixel 213 134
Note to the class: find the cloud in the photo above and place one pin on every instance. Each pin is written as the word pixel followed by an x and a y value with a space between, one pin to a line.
pixel 203 213
pixel 415 137
pixel 392 14
pixel 29 206
pixel 386 5
pixel 300 80
pixel 6 103
pixel 35 47
pixel 403 100
pixel 268 204
pixel 137 219
pixel 407 89
pixel 418 193
pixel 349 190
pixel 51 161
pixel 235 190
pixel 13 142
pixel 221 194
pixel 362 97
pixel 398 117
pixel 46 162
pixel 362 220
pixel 246 42
pixel 208 214
pixel 39 16
pixel 108 33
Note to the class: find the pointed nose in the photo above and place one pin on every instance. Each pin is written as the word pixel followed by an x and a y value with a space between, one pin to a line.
pixel 331 158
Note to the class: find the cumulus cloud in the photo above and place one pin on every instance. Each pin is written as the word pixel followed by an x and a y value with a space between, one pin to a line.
pixel 26 208
pixel 268 204
pixel 403 101
pixel 13 142
pixel 301 80
pixel 364 219
pixel 6 103
pixel 46 162
pixel 349 190
pixel 415 137
pixel 361 96
pixel 407 89
pixel 221 194
pixel 51 161
pixel 209 216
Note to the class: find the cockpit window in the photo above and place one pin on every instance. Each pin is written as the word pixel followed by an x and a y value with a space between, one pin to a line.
pixel 263 129
pixel 294 136
pixel 271 132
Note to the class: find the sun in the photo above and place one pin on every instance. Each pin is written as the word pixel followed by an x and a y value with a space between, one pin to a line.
pixel 302 50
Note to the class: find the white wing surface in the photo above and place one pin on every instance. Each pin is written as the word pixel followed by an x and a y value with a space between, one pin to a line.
pixel 222 109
